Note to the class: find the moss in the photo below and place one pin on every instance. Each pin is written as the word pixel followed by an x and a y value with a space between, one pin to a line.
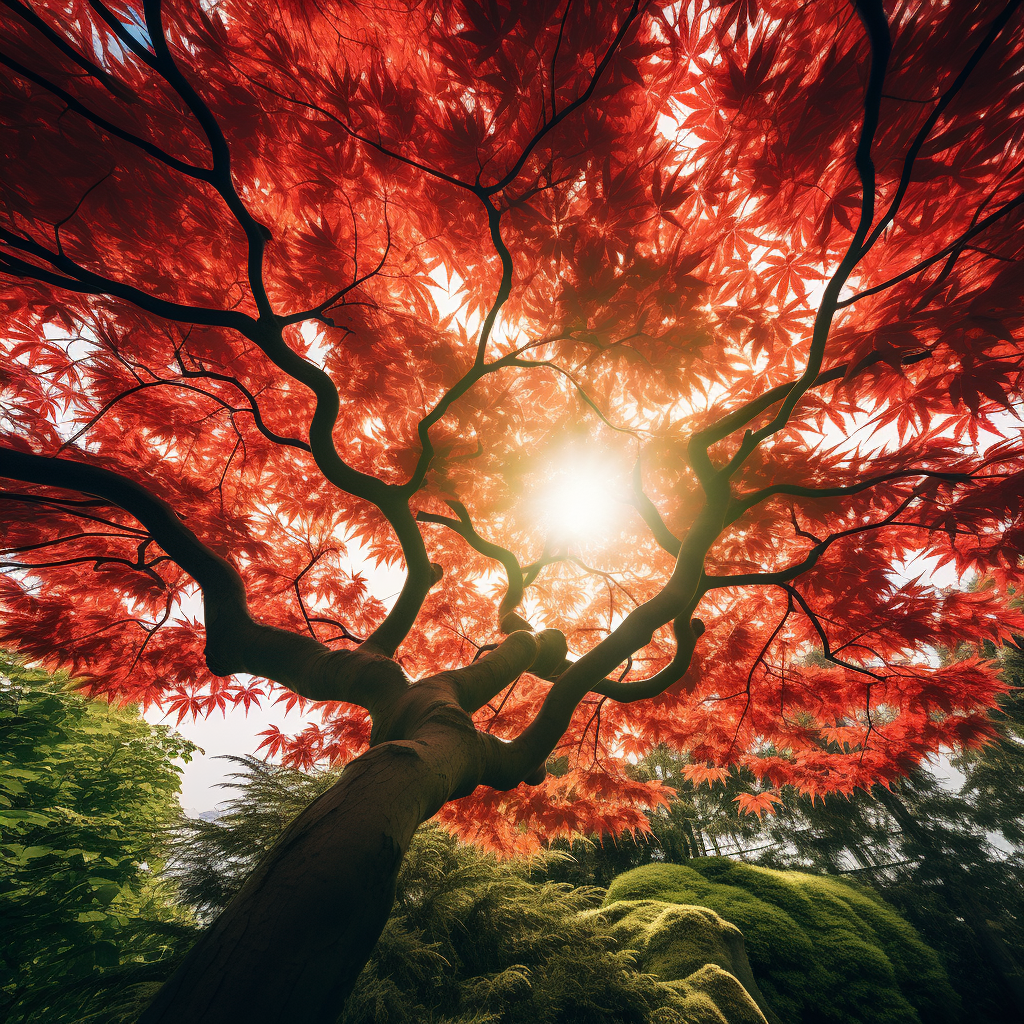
pixel 823 950
pixel 689 947
pixel 712 995
pixel 672 941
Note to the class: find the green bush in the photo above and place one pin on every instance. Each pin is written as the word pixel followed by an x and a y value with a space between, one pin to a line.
pixel 87 793
pixel 823 950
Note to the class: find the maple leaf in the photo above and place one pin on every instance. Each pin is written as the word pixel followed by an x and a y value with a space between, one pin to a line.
pixel 757 803
pixel 699 773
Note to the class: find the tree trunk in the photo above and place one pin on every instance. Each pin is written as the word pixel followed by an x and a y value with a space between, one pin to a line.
pixel 291 944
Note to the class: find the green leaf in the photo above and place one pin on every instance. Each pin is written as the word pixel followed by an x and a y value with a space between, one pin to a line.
pixel 88 916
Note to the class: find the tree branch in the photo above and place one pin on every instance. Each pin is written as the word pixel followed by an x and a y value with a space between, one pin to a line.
pixel 873 18
pixel 745 502
pixel 111 84
pixel 508 618
pixel 651 516
pixel 521 650
pixel 795 595
pixel 192 170
pixel 944 100
pixel 959 243
pixel 235 641
pixel 732 421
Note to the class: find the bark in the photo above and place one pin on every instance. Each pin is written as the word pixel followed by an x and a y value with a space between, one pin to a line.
pixel 733 939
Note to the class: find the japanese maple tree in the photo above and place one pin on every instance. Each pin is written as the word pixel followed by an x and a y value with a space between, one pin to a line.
pixel 652 343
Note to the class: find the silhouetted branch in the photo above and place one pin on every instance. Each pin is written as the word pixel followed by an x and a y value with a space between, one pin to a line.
pixel 236 642
pixel 744 502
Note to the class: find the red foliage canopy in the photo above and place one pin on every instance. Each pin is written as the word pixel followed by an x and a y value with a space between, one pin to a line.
pixel 383 285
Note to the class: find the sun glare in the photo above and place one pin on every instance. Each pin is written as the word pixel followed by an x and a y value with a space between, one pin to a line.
pixel 582 498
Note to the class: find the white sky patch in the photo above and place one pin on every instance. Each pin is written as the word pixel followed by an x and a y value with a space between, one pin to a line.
pixel 316 338
pixel 448 293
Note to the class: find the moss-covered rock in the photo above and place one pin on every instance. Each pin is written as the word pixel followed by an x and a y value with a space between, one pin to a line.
pixel 701 954
pixel 824 950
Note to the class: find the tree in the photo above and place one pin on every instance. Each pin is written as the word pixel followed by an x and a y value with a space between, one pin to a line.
pixel 88 793
pixel 295 292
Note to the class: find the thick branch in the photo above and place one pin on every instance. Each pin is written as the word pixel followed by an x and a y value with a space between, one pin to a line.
pixel 675 603
pixel 76 278
pixel 522 650
pixel 235 641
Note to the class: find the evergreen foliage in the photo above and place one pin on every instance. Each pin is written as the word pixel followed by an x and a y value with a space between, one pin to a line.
pixel 473 939
pixel 212 858
pixel 822 949
pixel 90 791
pixel 87 791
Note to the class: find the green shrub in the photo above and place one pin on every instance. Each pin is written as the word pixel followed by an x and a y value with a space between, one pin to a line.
pixel 88 791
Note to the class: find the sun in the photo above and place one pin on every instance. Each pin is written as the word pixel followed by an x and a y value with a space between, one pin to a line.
pixel 581 499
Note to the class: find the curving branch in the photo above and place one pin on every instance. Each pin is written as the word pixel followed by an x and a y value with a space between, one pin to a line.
pixel 675 603
pixel 781 576
pixel 744 502
pixel 149 148
pixel 504 285
pixel 998 24
pixel 581 391
pixel 651 516
pixel 111 84
pixel 953 248
pixel 795 595
pixel 508 618
pixel 265 332
pixel 235 641
pixel 874 20
pixel 253 408
pixel 732 421
pixel 873 17
pixel 557 119
pixel 63 272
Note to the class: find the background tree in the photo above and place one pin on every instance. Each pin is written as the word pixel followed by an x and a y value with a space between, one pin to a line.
pixel 88 794
pixel 292 291
pixel 470 937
